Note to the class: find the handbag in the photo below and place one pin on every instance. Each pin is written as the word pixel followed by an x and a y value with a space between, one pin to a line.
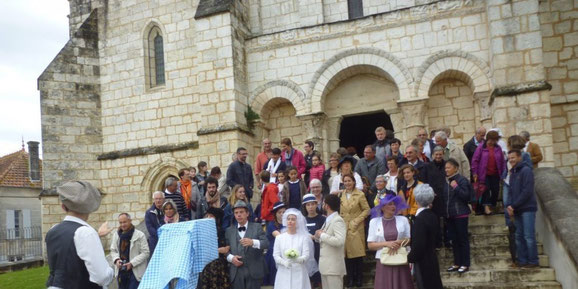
pixel 399 258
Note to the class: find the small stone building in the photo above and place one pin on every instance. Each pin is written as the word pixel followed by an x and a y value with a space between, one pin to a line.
pixel 143 88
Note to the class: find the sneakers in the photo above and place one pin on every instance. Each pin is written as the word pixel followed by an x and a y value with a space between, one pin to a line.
pixel 453 268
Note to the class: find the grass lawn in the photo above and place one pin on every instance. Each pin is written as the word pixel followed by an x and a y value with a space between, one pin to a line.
pixel 34 278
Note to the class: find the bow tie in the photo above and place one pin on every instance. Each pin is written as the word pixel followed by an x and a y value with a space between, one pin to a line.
pixel 242 229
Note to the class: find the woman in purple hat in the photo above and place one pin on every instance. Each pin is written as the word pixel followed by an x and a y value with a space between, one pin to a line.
pixel 387 229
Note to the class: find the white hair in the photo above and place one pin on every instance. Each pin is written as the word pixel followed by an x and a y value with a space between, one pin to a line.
pixel 158 192
pixel 441 134
pixel 315 181
pixel 424 195
pixel 169 181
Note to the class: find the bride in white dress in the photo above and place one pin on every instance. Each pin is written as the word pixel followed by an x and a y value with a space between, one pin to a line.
pixel 294 272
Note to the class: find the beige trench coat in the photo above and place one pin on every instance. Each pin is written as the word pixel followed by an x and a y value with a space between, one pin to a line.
pixel 354 211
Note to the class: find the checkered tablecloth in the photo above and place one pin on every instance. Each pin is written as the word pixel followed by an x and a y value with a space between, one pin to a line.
pixel 182 252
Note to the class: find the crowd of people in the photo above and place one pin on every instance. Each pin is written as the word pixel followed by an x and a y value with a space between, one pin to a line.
pixel 313 224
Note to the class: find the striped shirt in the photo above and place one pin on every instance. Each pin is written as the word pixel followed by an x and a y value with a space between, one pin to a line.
pixel 184 213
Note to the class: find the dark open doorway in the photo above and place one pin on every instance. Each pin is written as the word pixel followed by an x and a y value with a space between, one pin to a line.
pixel 359 130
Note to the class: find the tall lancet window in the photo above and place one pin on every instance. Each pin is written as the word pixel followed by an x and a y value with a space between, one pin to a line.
pixel 156 58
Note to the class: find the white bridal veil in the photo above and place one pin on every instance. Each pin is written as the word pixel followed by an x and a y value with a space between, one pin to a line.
pixel 301 227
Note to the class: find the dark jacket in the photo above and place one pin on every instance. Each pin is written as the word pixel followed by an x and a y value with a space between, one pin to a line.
pixel 325 181
pixel 153 219
pixel 470 148
pixel 370 171
pixel 423 251
pixel 456 200
pixel 204 206
pixel 241 174
pixel 521 196
pixel 253 259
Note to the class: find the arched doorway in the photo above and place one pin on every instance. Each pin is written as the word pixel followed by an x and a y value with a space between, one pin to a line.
pixel 359 130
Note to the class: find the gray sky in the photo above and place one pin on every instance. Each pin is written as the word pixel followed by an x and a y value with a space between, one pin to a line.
pixel 33 31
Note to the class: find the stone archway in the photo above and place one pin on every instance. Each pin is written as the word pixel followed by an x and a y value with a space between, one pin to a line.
pixel 158 172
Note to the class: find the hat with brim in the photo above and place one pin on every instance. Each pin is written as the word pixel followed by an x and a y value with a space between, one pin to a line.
pixel 240 204
pixel 79 196
pixel 277 206
pixel 344 159
pixel 399 205
pixel 308 198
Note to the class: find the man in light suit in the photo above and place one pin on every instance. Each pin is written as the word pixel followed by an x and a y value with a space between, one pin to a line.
pixel 247 241
pixel 332 240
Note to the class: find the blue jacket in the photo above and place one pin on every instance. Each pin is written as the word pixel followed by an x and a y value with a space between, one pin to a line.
pixel 153 221
pixel 457 199
pixel 521 196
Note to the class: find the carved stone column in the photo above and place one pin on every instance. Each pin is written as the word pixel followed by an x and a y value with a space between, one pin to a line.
pixel 414 114
pixel 313 125
pixel 482 100
pixel 333 127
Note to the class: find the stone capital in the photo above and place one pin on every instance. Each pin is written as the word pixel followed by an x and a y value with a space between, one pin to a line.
pixel 484 101
pixel 414 112
pixel 313 123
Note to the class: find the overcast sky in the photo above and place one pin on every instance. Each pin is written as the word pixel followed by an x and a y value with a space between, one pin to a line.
pixel 33 31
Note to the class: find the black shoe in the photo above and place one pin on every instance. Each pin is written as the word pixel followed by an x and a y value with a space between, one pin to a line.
pixel 349 282
pixel 453 268
pixel 463 269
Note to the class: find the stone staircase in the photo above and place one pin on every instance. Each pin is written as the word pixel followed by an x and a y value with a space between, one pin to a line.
pixel 490 262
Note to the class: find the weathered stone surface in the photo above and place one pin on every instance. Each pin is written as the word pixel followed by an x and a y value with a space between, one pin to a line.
pixel 147 151
pixel 211 7
pixel 521 88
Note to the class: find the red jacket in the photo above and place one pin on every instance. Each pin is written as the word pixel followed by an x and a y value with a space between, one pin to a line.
pixel 298 161
pixel 268 199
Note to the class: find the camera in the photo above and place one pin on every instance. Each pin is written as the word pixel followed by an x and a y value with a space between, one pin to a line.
pixel 123 265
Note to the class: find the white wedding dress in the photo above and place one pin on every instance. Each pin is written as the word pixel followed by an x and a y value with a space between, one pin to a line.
pixel 291 274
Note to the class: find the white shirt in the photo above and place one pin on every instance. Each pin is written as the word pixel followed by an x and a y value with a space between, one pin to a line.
pixel 89 249
pixel 256 243
pixel 419 211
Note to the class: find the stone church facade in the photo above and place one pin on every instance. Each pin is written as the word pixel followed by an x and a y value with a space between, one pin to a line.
pixel 145 87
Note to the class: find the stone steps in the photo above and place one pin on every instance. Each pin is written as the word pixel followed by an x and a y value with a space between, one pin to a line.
pixel 500 275
pixel 499 285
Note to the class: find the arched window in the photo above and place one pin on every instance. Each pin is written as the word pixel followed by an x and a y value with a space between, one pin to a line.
pixel 155 62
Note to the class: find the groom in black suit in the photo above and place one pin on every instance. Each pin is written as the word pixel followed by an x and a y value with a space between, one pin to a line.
pixel 247 241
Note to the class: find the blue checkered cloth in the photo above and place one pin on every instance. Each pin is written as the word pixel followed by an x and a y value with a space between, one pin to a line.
pixel 183 250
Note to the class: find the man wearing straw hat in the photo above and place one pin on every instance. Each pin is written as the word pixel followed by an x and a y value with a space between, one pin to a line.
pixel 75 254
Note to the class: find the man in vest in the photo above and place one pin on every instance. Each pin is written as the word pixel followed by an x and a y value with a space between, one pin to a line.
pixel 75 254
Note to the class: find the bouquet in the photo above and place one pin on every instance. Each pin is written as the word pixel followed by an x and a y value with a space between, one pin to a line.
pixel 291 254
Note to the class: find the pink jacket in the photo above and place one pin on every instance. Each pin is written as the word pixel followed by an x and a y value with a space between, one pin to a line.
pixel 298 161
pixel 316 172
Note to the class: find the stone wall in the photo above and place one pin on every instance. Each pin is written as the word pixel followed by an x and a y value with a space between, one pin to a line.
pixel 560 38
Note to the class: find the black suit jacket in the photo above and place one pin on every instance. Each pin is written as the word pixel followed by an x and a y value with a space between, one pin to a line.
pixel 252 258
pixel 423 251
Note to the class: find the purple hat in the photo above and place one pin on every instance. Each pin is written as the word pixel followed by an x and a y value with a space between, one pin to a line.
pixel 399 205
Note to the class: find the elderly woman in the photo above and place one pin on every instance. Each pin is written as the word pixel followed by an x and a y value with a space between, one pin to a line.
pixel 438 159
pixel 170 210
pixel 316 188
pixel 330 173
pixel 354 209
pixel 387 229
pixel 424 229
pixel 488 165
pixel 392 173
pixel 345 167
pixel 381 183
pixel 458 193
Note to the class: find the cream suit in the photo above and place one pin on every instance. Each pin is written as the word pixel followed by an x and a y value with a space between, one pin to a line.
pixel 332 253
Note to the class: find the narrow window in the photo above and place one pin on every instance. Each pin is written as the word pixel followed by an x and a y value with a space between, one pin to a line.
pixel 156 58
pixel 355 8
pixel 17 223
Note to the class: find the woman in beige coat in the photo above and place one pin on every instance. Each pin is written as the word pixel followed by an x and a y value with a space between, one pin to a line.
pixel 354 209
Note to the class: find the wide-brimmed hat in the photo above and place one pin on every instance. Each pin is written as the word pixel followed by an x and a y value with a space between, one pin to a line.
pixel 79 196
pixel 399 205
pixel 344 159
pixel 277 206
pixel 308 198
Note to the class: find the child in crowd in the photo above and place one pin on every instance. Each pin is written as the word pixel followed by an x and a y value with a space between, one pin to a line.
pixel 269 196
pixel 317 168
pixel 202 175
pixel 281 180
pixel 294 189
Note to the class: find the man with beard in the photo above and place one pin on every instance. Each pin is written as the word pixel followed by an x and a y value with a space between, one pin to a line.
pixel 129 252
pixel 240 173
pixel 212 198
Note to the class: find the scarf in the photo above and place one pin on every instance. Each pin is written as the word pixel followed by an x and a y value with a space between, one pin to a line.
pixel 272 168
pixel 124 253
pixel 173 219
pixel 186 186
pixel 289 158
pixel 214 200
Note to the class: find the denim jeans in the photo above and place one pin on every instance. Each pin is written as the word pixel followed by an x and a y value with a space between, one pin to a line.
pixel 458 228
pixel 505 201
pixel 527 249
pixel 131 284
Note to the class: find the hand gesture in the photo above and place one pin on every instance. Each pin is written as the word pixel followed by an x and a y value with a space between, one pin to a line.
pixel 246 242
pixel 104 230
pixel 454 184
pixel 237 261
